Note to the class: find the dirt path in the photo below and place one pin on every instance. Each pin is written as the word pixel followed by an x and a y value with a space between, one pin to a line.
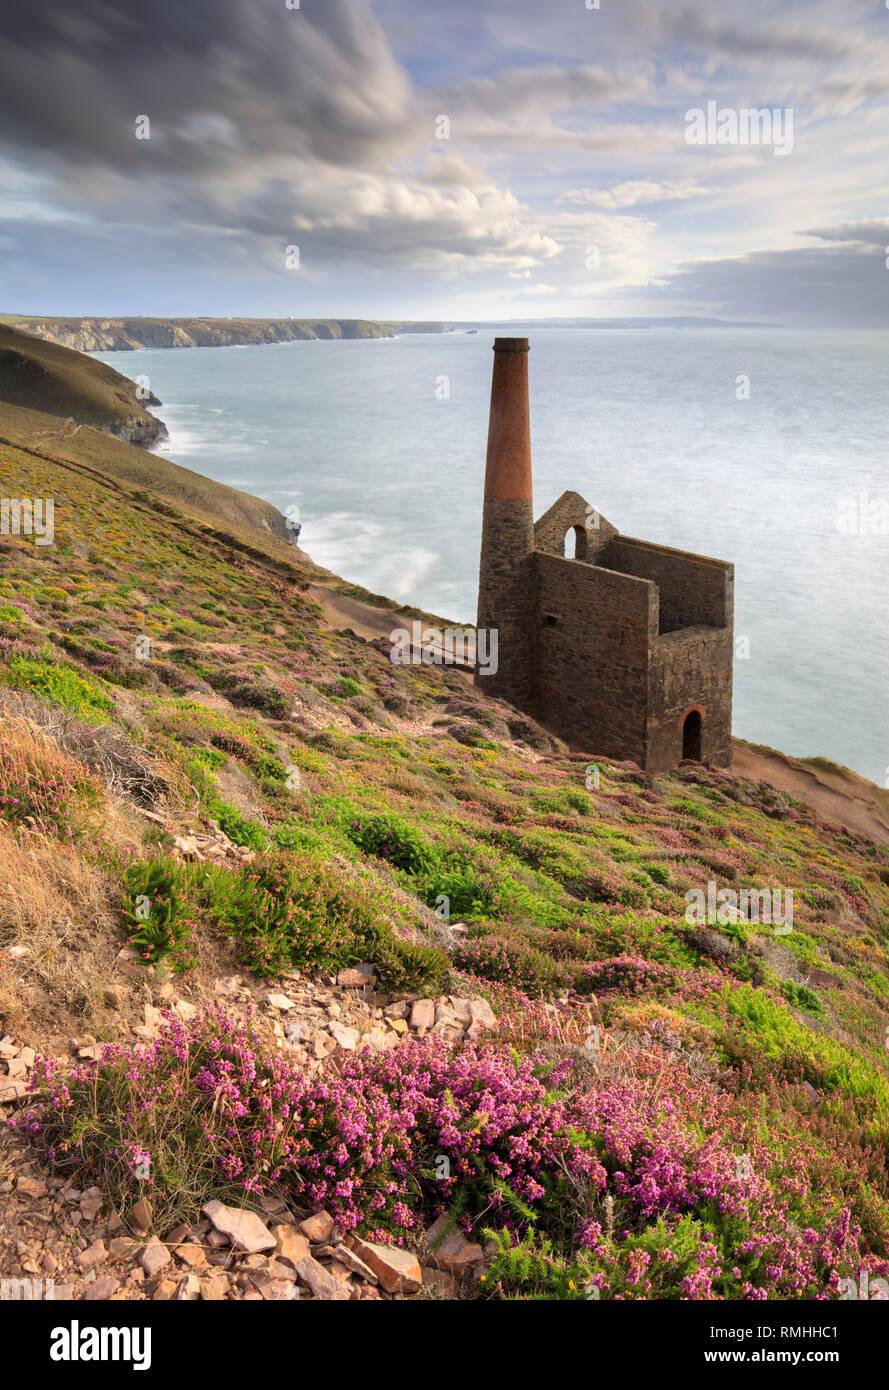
pixel 859 805
pixel 364 619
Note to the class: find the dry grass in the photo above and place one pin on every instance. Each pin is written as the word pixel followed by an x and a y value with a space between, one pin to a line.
pixel 60 909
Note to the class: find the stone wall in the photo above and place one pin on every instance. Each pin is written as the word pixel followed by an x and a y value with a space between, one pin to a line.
pixel 694 590
pixel 593 633
pixel 572 511
pixel 690 669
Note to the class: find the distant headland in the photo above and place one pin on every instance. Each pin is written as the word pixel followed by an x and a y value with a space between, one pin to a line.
pixel 129 334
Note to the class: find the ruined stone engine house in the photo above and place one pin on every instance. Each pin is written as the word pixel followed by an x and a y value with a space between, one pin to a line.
pixel 624 650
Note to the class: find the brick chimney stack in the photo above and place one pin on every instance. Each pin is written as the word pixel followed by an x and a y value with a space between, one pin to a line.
pixel 505 590
pixel 508 470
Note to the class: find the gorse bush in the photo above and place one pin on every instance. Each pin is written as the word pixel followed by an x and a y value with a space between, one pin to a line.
pixel 60 683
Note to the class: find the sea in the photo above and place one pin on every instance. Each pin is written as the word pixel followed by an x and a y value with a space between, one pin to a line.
pixel 763 446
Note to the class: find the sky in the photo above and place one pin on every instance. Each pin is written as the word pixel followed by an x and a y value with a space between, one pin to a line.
pixel 448 159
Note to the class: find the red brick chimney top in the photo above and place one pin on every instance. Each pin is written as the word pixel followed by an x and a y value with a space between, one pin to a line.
pixel 508 469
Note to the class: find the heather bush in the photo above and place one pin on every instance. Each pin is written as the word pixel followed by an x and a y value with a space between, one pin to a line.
pixel 160 912
pixel 632 1185
pixel 626 975
pixel 40 784
pixel 510 961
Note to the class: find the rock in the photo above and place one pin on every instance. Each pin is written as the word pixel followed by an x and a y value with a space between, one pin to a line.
pixel 462 1010
pixel 322 1285
pixel 397 1270
pixel 103 1288
pixel 31 1187
pixel 213 1288
pixel 318 1227
pixel 280 1002
pixel 346 1037
pixel 290 1244
pixel 354 1263
pixel 14 1093
pixel 113 996
pixel 165 1290
pixel 245 1229
pixel 122 1248
pixel 140 1215
pixel 191 1255
pixel 454 1253
pixel 188 1289
pixel 481 1012
pixel 399 1010
pixel 154 1257
pixel 92 1256
pixel 444 1284
pixel 356 977
pixel 29 1056
pixel 17 952
pixel 423 1014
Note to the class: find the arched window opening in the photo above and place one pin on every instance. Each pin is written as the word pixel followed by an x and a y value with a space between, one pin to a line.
pixel 575 543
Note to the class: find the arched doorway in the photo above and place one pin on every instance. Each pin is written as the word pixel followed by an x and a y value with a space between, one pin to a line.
pixel 691 735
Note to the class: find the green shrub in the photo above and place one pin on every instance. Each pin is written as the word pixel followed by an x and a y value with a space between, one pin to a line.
pixel 389 836
pixel 61 683
pixel 158 911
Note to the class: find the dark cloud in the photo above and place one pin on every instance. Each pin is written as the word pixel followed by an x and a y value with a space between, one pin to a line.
pixel 318 81
pixel 841 286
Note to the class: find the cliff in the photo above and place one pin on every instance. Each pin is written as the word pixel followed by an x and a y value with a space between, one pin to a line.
pixel 128 334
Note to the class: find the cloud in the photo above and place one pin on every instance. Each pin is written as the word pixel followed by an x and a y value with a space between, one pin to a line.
pixel 268 126
pixel 844 284
pixel 635 191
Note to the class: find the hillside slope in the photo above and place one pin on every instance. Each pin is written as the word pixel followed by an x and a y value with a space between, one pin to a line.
pixel 43 376
pixel 480 994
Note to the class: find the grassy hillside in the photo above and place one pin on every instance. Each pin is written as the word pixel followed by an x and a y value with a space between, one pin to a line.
pixel 38 375
pixel 664 1109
